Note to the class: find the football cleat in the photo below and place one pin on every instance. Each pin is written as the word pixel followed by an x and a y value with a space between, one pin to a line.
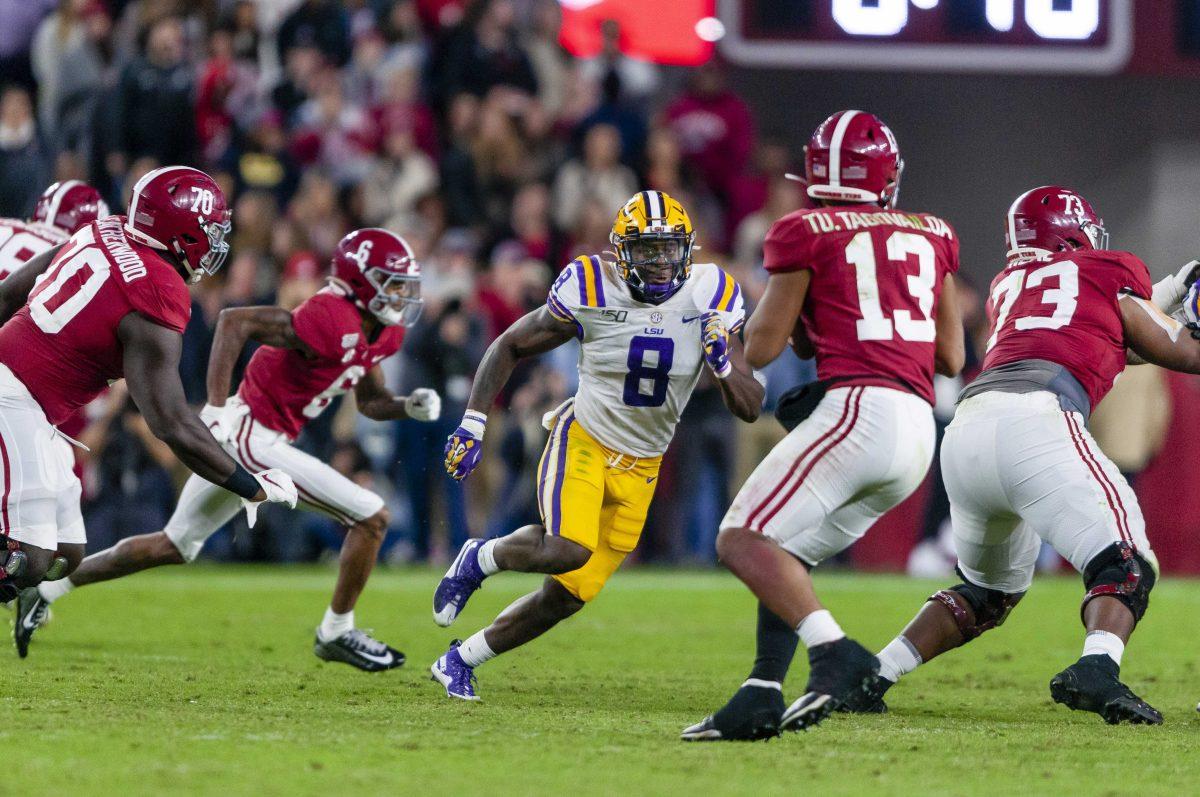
pixel 459 584
pixel 1091 684
pixel 359 649
pixel 453 673
pixel 869 701
pixel 753 713
pixel 838 671
pixel 32 613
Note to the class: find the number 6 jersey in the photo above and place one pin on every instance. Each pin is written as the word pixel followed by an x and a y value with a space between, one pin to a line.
pixel 63 343
pixel 638 363
pixel 871 306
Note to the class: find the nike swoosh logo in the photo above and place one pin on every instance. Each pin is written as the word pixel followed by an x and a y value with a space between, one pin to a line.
pixel 386 659
pixel 650 479
pixel 27 623
pixel 687 320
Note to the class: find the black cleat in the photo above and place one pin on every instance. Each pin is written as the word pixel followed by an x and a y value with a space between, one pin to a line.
pixel 32 613
pixel 839 670
pixel 869 701
pixel 359 649
pixel 753 713
pixel 1091 684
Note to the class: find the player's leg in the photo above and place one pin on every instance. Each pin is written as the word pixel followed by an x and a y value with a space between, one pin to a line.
pixel 621 517
pixel 570 490
pixel 202 509
pixel 323 490
pixel 859 442
pixel 1098 527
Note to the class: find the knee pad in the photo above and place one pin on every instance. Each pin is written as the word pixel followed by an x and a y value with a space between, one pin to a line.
pixel 1120 572
pixel 990 606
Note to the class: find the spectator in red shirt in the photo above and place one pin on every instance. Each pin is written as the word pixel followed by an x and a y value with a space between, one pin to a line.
pixel 714 129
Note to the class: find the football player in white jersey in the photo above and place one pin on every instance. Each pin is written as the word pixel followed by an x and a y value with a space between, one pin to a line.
pixel 648 324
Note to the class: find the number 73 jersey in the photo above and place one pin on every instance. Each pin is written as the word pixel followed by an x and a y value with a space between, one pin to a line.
pixel 871 307
pixel 638 363
pixel 1065 309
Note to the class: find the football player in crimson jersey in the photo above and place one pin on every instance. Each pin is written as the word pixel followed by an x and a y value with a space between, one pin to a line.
pixel 868 290
pixel 62 209
pixel 330 345
pixel 1020 465
pixel 112 303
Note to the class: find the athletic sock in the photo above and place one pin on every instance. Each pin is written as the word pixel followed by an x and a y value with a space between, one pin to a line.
pixel 486 557
pixel 898 659
pixel 53 590
pixel 475 650
pixel 775 647
pixel 334 625
pixel 819 628
pixel 1104 643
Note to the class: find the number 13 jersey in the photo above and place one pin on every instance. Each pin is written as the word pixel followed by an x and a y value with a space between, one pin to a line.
pixel 63 343
pixel 638 363
pixel 871 308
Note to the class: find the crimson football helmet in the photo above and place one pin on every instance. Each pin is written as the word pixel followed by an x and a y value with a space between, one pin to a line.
pixel 1052 219
pixel 377 269
pixel 853 157
pixel 68 205
pixel 182 211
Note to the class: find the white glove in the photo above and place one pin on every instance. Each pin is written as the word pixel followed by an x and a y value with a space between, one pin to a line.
pixel 423 404
pixel 278 486
pixel 1169 291
pixel 214 419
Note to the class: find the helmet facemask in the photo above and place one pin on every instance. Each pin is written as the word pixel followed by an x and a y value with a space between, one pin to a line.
pixel 397 299
pixel 654 264
pixel 218 248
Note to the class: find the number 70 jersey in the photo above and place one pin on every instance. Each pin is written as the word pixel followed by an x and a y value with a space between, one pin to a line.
pixel 877 275
pixel 638 363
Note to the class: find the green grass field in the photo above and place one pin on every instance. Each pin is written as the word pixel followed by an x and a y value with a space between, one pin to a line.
pixel 201 680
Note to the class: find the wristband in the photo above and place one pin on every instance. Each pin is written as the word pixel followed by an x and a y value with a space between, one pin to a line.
pixel 474 422
pixel 242 483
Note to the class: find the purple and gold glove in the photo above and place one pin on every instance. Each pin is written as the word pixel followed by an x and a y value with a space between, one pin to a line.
pixel 715 338
pixel 465 446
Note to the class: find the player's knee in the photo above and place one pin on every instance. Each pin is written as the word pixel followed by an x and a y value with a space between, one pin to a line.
pixel 165 551
pixel 37 563
pixel 560 603
pixel 731 542
pixel 72 554
pixel 564 555
pixel 976 609
pixel 374 527
pixel 1121 571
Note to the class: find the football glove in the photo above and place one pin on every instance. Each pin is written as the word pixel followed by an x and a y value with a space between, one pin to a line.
pixel 715 338
pixel 423 404
pixel 278 486
pixel 465 446
pixel 1171 290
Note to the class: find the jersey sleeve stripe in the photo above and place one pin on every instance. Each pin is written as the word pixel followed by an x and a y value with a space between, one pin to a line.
pixel 724 291
pixel 732 303
pixel 598 270
pixel 579 278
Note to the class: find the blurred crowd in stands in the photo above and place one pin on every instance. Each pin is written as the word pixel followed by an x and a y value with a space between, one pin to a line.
pixel 461 124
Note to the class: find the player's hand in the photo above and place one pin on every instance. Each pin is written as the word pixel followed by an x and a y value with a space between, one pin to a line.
pixel 277 487
pixel 423 404
pixel 465 446
pixel 715 338
pixel 1191 305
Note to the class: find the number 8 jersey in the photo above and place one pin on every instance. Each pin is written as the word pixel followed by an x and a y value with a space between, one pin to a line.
pixel 871 306
pixel 63 345
pixel 638 363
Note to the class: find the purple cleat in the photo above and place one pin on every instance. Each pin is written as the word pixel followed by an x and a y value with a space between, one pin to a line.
pixel 459 584
pixel 451 672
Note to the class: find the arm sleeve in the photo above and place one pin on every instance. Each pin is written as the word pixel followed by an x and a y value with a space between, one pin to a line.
pixel 322 328
pixel 788 246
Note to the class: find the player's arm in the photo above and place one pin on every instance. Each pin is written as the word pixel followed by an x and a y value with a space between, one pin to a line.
pixel 151 359
pixel 742 393
pixel 1158 338
pixel 535 333
pixel 774 320
pixel 380 404
pixel 270 326
pixel 950 348
pixel 14 291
